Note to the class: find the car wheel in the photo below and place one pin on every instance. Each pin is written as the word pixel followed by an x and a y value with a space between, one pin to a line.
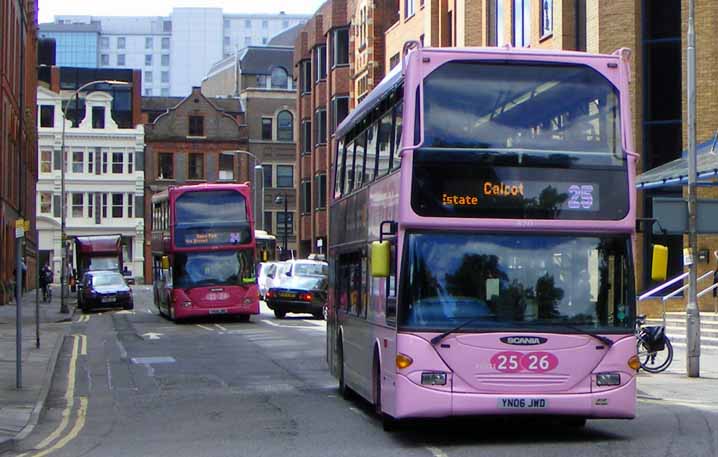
pixel 131 305
pixel 279 314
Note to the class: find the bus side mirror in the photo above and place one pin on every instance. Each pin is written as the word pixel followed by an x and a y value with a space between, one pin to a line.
pixel 659 263
pixel 165 262
pixel 380 259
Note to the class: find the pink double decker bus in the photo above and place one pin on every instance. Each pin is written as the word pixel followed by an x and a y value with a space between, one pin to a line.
pixel 481 236
pixel 203 251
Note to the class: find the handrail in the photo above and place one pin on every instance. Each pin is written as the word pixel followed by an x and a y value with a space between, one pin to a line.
pixel 677 291
pixel 663 286
pixel 707 289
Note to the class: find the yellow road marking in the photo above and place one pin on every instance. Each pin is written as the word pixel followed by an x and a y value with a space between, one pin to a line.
pixel 76 429
pixel 69 397
pixel 206 328
pixel 83 351
pixel 84 318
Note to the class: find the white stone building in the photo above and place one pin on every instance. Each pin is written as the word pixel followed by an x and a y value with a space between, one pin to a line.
pixel 104 178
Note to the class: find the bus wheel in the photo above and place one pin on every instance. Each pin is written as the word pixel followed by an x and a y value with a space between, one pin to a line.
pixel 279 314
pixel 243 318
pixel 344 390
pixel 172 312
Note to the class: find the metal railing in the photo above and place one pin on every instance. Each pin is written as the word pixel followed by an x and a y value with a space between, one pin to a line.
pixel 670 282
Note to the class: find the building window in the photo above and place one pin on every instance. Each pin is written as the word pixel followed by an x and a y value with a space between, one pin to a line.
pixel 285 222
pixel 279 78
pixel 226 166
pixel 320 62
pixel 148 91
pixel 196 125
pixel 320 191
pixel 248 23
pixel 262 81
pixel 165 91
pixel 78 161
pixel 306 76
pixel 265 24
pixel 264 40
pixel 267 128
pixel 148 42
pixel 285 23
pixel 165 60
pixel 104 206
pixel 78 204
pixel 522 23
pixel 166 165
pixel 47 115
pixel 90 162
pixel 104 163
pixel 340 47
pixel 268 221
pixel 496 22
pixel 306 136
pixel 226 23
pixel 285 176
pixel 165 43
pixel 340 109
pixel 165 76
pixel 320 124
pixel 306 197
pixel 117 162
pixel 130 162
pixel 98 117
pixel 167 26
pixel 248 41
pixel 148 60
pixel 45 161
pixel 120 42
pixel 546 18
pixel 148 76
pixel 408 8
pixel 120 59
pixel 130 205
pixel 285 126
pixel 46 202
pixel 117 205
pixel 104 59
pixel 90 207
pixel 104 42
pixel 267 175
pixel 196 166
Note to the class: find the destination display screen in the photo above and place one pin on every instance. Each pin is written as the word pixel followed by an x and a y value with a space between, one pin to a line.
pixel 462 188
pixel 215 236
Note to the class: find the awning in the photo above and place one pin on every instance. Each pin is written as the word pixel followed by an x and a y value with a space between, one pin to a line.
pixel 675 173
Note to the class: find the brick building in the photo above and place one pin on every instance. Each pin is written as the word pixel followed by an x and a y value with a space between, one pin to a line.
pixel 188 141
pixel 321 69
pixel 260 77
pixel 18 135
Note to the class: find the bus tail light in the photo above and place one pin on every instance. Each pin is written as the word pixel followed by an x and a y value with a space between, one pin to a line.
pixel 634 363
pixel 608 379
pixel 433 378
pixel 403 361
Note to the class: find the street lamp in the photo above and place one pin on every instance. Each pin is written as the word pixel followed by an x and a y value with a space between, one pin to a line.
pixel 258 202
pixel 63 196
pixel 279 200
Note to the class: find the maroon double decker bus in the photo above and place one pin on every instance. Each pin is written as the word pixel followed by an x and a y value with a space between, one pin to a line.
pixel 203 251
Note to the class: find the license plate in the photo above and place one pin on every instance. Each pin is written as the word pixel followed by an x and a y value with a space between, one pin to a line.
pixel 523 403
pixel 287 295
pixel 218 311
pixel 109 299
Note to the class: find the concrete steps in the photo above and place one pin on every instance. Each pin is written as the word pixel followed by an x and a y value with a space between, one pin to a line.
pixel 676 329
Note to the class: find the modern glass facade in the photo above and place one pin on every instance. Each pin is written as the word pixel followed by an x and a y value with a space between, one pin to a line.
pixel 75 49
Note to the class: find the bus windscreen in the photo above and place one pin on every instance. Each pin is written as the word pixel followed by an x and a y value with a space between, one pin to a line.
pixel 211 218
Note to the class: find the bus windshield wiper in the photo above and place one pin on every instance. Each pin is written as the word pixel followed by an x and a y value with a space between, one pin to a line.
pixel 607 341
pixel 443 335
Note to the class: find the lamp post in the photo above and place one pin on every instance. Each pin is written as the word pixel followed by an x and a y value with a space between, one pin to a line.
pixel 258 202
pixel 279 200
pixel 63 196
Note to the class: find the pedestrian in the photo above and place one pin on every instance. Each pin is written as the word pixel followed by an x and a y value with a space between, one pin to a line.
pixel 45 281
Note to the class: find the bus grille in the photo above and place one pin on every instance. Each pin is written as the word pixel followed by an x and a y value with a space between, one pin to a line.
pixel 521 380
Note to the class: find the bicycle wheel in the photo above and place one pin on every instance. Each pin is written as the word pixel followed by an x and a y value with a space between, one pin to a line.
pixel 654 361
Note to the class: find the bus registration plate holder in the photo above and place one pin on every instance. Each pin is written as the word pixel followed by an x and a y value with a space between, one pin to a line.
pixel 522 403
pixel 218 311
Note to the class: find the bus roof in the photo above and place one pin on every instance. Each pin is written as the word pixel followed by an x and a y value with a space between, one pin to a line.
pixel 163 195
pixel 395 77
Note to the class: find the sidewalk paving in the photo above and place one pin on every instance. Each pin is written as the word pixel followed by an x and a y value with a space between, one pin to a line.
pixel 20 409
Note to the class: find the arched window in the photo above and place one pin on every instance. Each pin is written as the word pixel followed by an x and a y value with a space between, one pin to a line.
pixel 279 78
pixel 285 127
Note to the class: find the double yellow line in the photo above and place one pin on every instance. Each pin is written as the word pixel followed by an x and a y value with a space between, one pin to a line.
pixel 83 318
pixel 45 447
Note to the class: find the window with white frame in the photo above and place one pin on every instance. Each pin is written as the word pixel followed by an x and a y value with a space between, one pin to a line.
pixel 285 126
pixel 45 161
pixel 117 205
pixel 130 205
pixel 148 42
pixel 408 8
pixel 78 204
pixel 46 202
pixel 78 161
pixel 522 23
pixel 117 162
pixel 546 18
pixel 90 205
pixel 130 162
pixel 90 162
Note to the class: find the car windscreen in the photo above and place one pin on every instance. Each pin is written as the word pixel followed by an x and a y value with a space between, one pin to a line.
pixel 303 269
pixel 108 280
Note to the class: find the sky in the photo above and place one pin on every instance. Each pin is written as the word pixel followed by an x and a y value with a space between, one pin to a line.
pixel 50 8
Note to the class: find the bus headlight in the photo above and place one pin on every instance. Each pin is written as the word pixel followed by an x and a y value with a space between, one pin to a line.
pixel 433 378
pixel 608 379
pixel 187 304
pixel 403 361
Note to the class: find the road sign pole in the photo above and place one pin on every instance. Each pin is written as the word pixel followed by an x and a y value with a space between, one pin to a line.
pixel 19 232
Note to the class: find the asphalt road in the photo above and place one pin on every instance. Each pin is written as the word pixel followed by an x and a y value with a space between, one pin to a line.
pixel 135 384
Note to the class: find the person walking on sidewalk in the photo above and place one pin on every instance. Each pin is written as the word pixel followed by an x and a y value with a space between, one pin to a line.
pixel 45 281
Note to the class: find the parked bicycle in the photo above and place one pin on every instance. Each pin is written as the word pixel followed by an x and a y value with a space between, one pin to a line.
pixel 655 351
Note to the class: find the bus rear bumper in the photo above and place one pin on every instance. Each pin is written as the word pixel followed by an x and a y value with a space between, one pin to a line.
pixel 416 401
pixel 196 311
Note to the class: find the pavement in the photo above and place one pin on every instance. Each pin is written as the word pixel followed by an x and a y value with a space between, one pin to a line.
pixel 21 409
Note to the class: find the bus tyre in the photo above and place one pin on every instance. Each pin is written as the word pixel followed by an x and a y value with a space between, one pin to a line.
pixel 344 390
pixel 172 313
pixel 279 314
pixel 575 422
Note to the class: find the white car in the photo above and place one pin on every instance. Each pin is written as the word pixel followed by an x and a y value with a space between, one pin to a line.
pixel 267 273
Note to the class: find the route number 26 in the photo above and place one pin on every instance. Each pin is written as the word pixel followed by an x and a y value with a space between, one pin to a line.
pixel 513 362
